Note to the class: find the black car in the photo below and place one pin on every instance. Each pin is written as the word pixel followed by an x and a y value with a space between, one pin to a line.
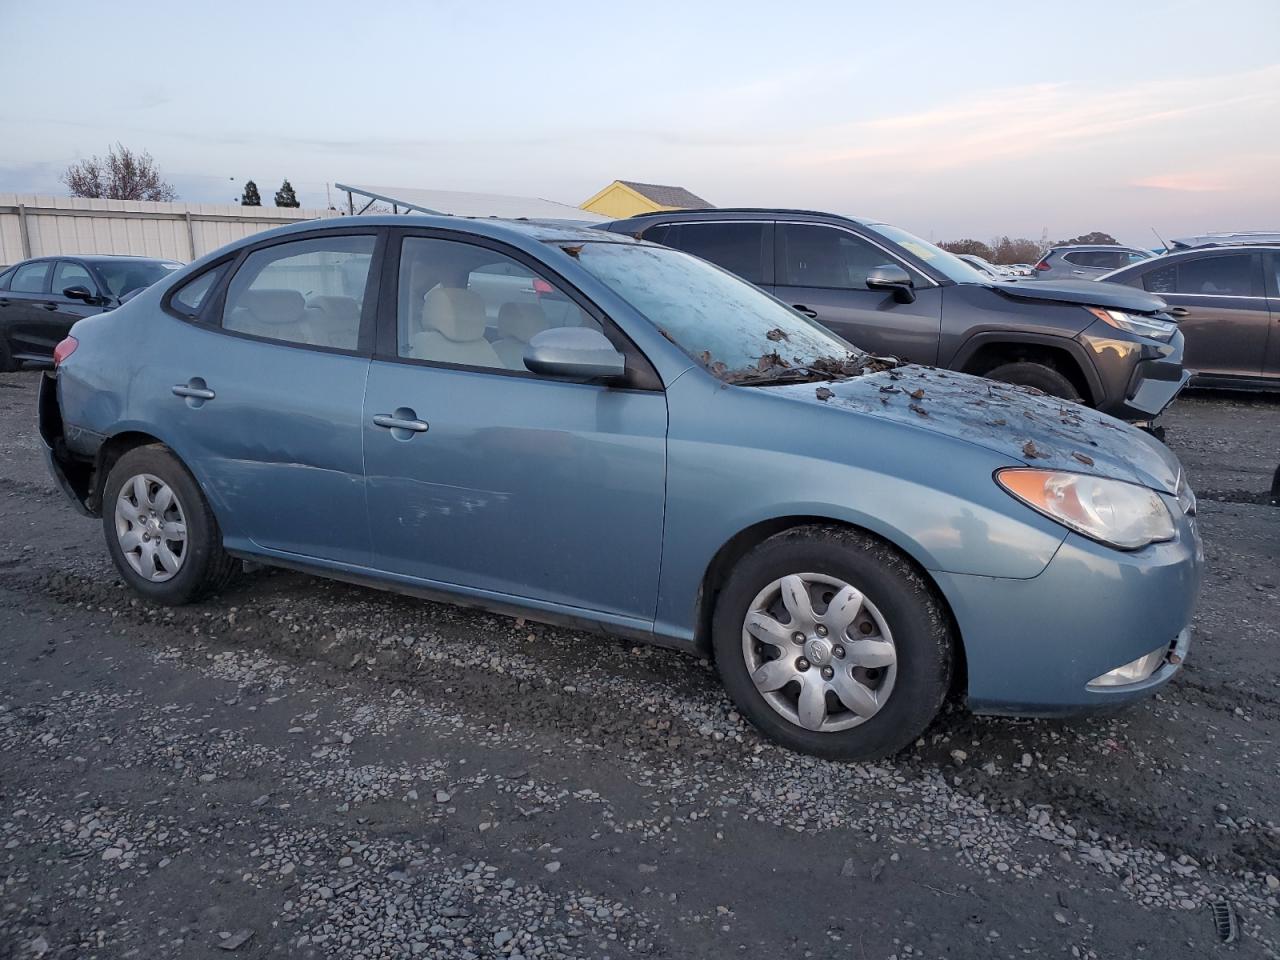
pixel 891 293
pixel 1226 300
pixel 40 299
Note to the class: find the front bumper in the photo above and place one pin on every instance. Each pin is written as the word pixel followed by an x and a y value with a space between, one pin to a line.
pixel 1034 647
pixel 1140 377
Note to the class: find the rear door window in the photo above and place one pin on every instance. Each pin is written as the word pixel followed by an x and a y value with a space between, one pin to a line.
pixel 1098 259
pixel 1230 275
pixel 31 277
pixel 739 247
pixel 308 292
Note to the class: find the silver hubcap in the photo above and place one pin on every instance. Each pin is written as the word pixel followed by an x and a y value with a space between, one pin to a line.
pixel 819 652
pixel 151 528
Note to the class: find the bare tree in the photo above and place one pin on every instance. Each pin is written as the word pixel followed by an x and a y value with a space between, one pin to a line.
pixel 972 247
pixel 121 175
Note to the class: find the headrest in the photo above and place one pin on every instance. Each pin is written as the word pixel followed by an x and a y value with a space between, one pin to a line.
pixel 520 321
pixel 458 315
pixel 273 306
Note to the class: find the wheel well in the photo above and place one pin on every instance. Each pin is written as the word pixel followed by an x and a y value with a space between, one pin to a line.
pixel 747 540
pixel 112 450
pixel 991 355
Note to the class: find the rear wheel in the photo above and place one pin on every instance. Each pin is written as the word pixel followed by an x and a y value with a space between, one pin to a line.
pixel 160 531
pixel 7 363
pixel 1028 373
pixel 832 643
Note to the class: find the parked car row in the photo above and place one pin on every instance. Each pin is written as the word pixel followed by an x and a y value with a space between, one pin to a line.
pixel 579 426
pixel 894 294
pixel 40 299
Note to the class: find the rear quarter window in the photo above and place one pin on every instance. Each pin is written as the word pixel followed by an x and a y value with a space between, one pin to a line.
pixel 189 298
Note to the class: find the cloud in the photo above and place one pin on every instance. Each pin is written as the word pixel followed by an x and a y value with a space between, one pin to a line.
pixel 1020 123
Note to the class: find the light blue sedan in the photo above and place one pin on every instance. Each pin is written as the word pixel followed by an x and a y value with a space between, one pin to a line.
pixel 581 428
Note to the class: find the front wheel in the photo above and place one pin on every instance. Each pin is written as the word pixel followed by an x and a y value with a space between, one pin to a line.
pixel 832 643
pixel 1028 373
pixel 160 531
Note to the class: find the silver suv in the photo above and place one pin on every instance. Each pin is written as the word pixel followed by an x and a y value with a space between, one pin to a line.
pixel 1086 261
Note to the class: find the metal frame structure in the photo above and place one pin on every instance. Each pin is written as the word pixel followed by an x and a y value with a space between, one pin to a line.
pixel 396 205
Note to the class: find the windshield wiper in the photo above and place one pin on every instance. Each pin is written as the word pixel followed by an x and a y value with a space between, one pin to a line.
pixel 755 378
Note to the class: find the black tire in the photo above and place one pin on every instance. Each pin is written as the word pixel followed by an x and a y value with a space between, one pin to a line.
pixel 921 632
pixel 1028 373
pixel 7 363
pixel 206 568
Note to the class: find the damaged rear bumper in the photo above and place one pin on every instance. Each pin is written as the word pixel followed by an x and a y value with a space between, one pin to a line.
pixel 71 475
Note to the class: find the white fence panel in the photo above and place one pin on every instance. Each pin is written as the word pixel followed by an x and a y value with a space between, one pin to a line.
pixel 33 226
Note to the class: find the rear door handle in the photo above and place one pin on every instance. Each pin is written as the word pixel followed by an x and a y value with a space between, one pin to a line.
pixel 401 420
pixel 193 392
pixel 1178 311
pixel 811 314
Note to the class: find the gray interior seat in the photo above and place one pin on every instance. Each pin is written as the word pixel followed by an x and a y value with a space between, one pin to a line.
pixel 334 321
pixel 518 323
pixel 277 314
pixel 452 329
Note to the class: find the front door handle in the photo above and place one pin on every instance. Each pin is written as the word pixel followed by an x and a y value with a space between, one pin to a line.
pixel 402 419
pixel 51 306
pixel 811 314
pixel 1178 311
pixel 194 389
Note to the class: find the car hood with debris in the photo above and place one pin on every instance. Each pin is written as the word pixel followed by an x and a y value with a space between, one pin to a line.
pixel 1115 296
pixel 1018 422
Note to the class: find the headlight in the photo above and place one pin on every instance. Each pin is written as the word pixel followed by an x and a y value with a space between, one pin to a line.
pixel 1161 330
pixel 1119 514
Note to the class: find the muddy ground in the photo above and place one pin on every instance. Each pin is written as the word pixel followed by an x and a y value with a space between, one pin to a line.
pixel 307 769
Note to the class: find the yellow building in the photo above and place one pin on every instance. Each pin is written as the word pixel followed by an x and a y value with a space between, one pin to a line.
pixel 625 198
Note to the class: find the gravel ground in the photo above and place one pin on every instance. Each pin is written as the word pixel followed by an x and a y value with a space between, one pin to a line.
pixel 304 768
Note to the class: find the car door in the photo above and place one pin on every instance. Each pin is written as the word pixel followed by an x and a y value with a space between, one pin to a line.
pixel 25 311
pixel 263 389
pixel 484 476
pixel 821 271
pixel 1218 299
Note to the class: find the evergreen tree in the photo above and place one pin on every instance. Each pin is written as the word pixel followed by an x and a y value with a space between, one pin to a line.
pixel 285 197
pixel 251 196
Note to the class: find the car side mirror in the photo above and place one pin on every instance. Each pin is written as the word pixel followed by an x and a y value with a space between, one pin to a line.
pixel 574 352
pixel 79 292
pixel 893 278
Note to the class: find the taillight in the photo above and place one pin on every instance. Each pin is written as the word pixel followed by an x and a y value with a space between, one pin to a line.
pixel 65 349
pixel 541 287
pixel 1042 265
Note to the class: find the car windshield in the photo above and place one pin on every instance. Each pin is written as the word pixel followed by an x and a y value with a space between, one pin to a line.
pixel 948 264
pixel 123 277
pixel 739 333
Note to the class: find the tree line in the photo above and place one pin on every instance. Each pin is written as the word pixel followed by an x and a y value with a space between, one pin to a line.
pixel 125 174
pixel 1019 249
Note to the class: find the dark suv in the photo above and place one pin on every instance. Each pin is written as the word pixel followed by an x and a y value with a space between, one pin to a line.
pixel 891 293
pixel 1227 303
pixel 40 299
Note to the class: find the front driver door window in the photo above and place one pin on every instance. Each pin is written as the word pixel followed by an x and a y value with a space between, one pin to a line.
pixel 505 482
pixel 822 271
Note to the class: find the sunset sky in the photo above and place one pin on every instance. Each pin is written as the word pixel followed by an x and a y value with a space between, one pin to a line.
pixel 949 119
